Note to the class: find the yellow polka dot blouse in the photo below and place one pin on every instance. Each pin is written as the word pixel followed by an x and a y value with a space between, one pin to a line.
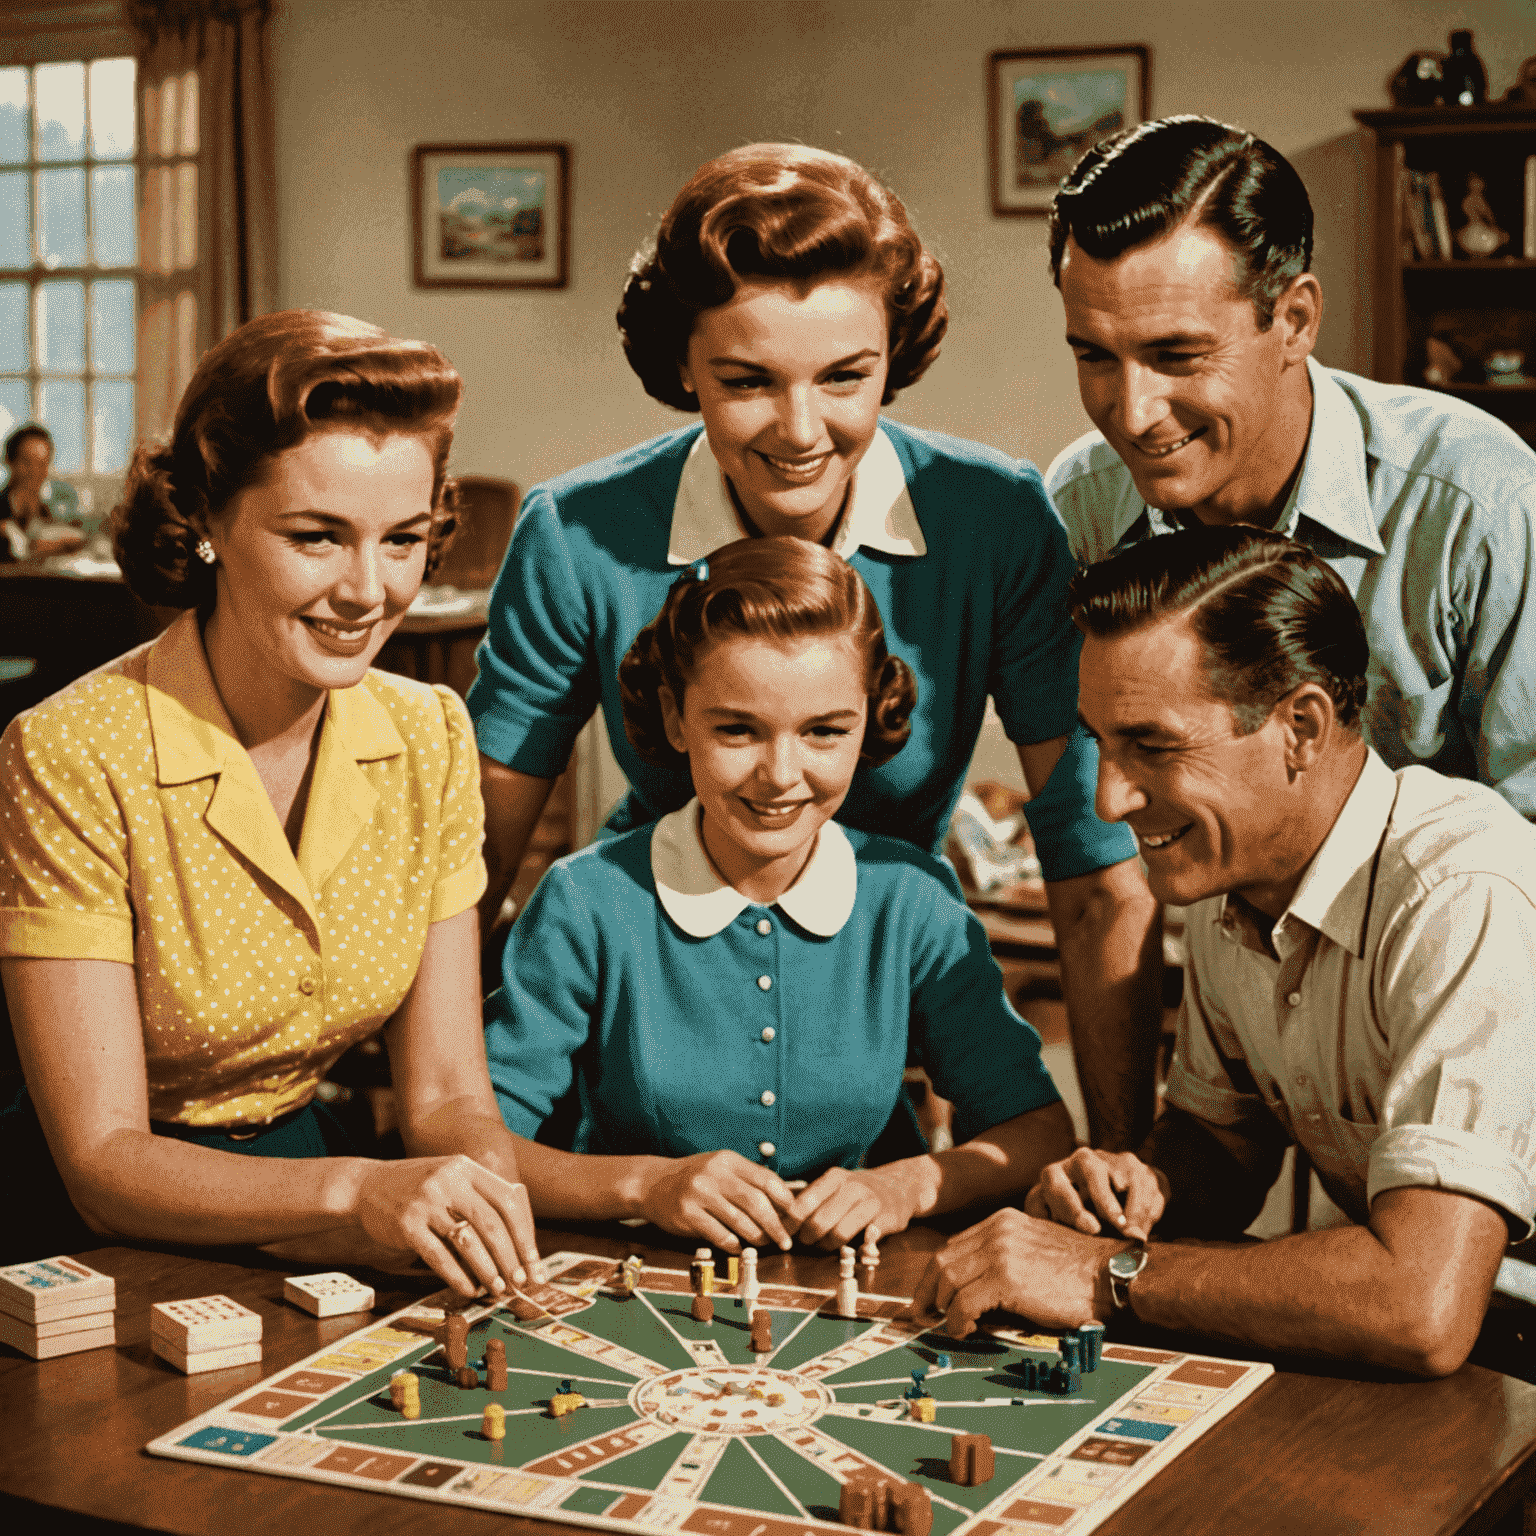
pixel 133 827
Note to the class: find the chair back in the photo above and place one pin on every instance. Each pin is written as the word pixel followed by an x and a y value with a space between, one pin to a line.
pixel 487 511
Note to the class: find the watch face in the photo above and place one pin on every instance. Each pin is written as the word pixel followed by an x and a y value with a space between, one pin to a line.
pixel 1127 1265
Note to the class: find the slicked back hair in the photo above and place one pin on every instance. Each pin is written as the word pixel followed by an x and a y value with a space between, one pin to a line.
pixel 1270 615
pixel 1143 183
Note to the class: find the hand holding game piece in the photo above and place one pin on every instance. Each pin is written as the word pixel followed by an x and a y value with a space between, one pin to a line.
pixel 841 1204
pixel 471 1226
pixel 1121 1188
pixel 719 1197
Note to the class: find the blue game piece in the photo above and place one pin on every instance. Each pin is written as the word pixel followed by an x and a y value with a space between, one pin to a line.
pixel 917 1389
pixel 1093 1345
pixel 1029 1369
pixel 942 1362
pixel 565 1388
pixel 1071 1346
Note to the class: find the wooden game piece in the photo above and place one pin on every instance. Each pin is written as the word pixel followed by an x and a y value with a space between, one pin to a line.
pixel 493 1422
pixel 762 1332
pixel 923 1409
pixel 397 1390
pixel 847 1285
pixel 410 1395
pixel 1071 1347
pixel 466 1376
pixel 496 1365
pixel 701 1272
pixel 329 1295
pixel 46 1289
pixel 971 1461
pixel 862 1502
pixel 456 1340
pixel 750 1289
pixel 911 1509
pixel 563 1401
pixel 941 1362
pixel 703 1309
pixel 524 1308
pixel 732 1270
pixel 1093 1345
pixel 869 1253
pixel 629 1275
pixel 202 1323
pixel 204 1360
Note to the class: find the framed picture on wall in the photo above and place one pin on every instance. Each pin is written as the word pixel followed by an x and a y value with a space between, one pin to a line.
pixel 491 215
pixel 1049 106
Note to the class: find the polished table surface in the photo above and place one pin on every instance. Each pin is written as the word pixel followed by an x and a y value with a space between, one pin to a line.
pixel 1315 1450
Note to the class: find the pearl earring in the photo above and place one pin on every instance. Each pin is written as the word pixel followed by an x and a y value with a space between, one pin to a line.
pixel 205 552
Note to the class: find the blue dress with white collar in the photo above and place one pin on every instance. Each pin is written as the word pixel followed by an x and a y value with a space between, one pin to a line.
pixel 964 556
pixel 691 1019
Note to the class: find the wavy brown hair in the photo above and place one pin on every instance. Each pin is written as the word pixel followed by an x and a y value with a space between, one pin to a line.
pixel 262 390
pixel 778 213
pixel 776 589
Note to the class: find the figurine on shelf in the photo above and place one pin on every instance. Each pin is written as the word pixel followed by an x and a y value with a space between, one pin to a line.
pixel 1444 364
pixel 1523 91
pixel 1503 369
pixel 1418 82
pixel 1480 236
pixel 1465 79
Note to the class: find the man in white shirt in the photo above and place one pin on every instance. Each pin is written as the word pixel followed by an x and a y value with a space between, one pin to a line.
pixel 1362 948
pixel 1182 250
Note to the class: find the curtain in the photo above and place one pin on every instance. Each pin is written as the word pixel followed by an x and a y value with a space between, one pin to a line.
pixel 208 232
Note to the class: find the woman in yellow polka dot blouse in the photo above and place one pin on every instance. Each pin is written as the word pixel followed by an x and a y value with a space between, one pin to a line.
pixel 234 852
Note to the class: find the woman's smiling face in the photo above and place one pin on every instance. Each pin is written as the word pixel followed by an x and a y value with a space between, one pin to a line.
pixel 789 381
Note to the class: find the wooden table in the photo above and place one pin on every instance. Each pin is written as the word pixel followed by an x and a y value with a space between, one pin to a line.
pixel 1313 1451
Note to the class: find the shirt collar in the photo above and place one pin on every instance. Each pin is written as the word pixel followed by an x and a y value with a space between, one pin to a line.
pixel 880 511
pixel 702 904
pixel 1334 896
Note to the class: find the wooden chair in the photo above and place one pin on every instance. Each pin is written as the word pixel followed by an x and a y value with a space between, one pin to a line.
pixel 487 511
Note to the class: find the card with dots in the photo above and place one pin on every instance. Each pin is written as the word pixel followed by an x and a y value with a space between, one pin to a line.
pixel 328 1295
pixel 204 1322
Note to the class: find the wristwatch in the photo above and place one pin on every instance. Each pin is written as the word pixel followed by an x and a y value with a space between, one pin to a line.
pixel 1123 1267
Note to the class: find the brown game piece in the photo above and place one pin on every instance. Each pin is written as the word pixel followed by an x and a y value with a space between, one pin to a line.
pixel 703 1309
pixel 525 1310
pixel 971 1462
pixel 467 1376
pixel 911 1510
pixel 456 1340
pixel 496 1366
pixel 863 1502
pixel 762 1333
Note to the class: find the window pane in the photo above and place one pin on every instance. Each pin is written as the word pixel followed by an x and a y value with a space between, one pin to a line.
pixel 13 115
pixel 15 220
pixel 189 112
pixel 60 99
pixel 61 408
pixel 15 343
pixel 61 327
pixel 167 215
pixel 61 202
pixel 15 403
pixel 112 327
pixel 112 108
pixel 186 340
pixel 113 421
pixel 112 216
pixel 151 119
pixel 170 98
pixel 186 214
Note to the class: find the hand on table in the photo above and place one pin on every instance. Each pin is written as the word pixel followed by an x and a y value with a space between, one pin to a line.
pixel 1126 1192
pixel 834 1209
pixel 721 1198
pixel 1045 1272
pixel 470 1226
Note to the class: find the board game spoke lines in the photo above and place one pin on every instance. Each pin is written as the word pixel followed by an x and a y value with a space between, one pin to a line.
pixel 581 1402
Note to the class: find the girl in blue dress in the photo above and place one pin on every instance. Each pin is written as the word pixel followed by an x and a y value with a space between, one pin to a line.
pixel 735 989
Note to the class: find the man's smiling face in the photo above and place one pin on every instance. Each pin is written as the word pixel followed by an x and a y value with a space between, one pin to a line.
pixel 1175 372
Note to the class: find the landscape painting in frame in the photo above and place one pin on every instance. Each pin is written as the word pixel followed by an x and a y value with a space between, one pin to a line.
pixel 491 215
pixel 1051 105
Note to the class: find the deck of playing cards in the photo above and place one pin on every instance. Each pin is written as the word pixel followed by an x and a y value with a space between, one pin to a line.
pixel 56 1307
pixel 204 1333
pixel 328 1295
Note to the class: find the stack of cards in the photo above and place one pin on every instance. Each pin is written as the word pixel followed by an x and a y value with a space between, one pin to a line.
pixel 205 1333
pixel 328 1295
pixel 56 1307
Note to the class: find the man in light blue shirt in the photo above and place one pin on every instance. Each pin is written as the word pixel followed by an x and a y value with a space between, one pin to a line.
pixel 1182 250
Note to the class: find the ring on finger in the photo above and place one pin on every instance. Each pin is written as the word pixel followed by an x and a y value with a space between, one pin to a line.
pixel 461 1232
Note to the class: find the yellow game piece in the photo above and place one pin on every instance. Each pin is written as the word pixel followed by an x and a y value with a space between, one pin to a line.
pixel 732 1270
pixel 922 1409
pixel 410 1400
pixel 563 1403
pixel 493 1424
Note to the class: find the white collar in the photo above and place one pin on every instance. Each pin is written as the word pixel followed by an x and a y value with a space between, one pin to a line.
pixel 701 903
pixel 880 511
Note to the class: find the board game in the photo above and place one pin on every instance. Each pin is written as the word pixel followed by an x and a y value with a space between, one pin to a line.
pixel 679 1427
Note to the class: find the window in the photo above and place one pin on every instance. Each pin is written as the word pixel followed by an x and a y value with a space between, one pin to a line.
pixel 98 241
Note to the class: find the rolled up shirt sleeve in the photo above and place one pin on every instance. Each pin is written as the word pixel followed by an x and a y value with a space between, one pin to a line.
pixel 1458 984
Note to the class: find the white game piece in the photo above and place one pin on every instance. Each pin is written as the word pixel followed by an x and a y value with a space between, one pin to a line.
pixel 847 1285
pixel 42 1343
pixel 58 1287
pixel 204 1360
pixel 750 1289
pixel 202 1323
pixel 869 1254
pixel 328 1295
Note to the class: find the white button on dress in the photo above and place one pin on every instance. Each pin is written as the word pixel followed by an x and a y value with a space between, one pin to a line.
pixel 768 1098
pixel 764 927
pixel 765 982
pixel 767 1148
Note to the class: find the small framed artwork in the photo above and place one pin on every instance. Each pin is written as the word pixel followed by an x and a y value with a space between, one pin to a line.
pixel 1049 106
pixel 491 215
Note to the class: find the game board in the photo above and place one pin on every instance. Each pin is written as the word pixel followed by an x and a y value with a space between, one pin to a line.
pixel 672 1439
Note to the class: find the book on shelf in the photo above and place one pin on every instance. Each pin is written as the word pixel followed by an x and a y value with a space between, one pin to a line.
pixel 1440 221
pixel 1529 245
pixel 1417 240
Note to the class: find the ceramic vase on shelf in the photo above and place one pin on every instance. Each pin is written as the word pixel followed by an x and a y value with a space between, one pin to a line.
pixel 1464 80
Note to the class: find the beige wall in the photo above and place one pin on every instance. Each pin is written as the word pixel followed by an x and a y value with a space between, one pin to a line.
pixel 644 90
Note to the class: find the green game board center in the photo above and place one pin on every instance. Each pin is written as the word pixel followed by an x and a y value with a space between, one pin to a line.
pixel 729 1400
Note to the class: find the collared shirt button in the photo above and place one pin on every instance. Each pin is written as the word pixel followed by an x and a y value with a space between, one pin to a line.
pixel 307 986
pixel 765 982
pixel 764 927
pixel 768 1098
pixel 768 1033
pixel 767 1148
pixel 1294 999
